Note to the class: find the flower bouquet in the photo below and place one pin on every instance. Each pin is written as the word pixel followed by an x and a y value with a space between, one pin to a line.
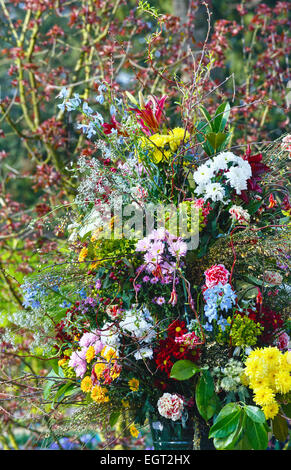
pixel 171 304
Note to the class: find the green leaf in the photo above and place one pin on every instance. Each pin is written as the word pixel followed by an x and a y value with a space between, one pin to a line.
pixel 49 384
pixel 280 428
pixel 256 434
pixel 64 390
pixel 221 117
pixel 206 399
pixel 207 116
pixel 183 370
pixel 255 414
pixel 227 421
pixel 114 418
pixel 216 140
pixel 229 442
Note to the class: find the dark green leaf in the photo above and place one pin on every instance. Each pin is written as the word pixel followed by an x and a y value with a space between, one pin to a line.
pixel 256 434
pixel 280 428
pixel 206 399
pixel 287 410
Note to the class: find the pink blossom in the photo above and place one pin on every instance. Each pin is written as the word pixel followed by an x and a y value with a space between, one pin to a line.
pixel 283 341
pixel 171 406
pixel 215 275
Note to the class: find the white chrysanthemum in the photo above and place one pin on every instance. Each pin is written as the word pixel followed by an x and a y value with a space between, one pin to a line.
pixel 144 353
pixel 237 179
pixel 215 192
pixel 202 176
pixel 222 159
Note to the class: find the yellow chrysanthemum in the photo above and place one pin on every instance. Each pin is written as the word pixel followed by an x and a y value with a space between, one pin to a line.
pixel 99 394
pixel 282 382
pixel 272 356
pixel 125 403
pixel 177 136
pixel 90 354
pixel 133 431
pixel 288 357
pixel 244 379
pixel 62 362
pixel 99 369
pixel 259 382
pixel 86 384
pixel 108 353
pixel 83 253
pixel 271 410
pixel 264 396
pixel 133 384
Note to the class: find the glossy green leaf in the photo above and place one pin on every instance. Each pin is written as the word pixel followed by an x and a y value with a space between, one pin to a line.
pixel 230 441
pixel 183 370
pixel 206 399
pixel 207 116
pixel 227 421
pixel 255 414
pixel 221 117
pixel 256 434
pixel 216 140
pixel 114 418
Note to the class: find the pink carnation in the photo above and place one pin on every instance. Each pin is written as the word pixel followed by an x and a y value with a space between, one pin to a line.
pixel 216 274
pixel 171 406
pixel 274 278
pixel 283 341
pixel 286 143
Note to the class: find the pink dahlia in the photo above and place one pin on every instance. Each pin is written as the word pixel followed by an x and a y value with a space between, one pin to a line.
pixel 216 274
pixel 171 406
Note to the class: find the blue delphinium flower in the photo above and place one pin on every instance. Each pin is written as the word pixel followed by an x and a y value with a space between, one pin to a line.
pixel 218 297
pixel 32 294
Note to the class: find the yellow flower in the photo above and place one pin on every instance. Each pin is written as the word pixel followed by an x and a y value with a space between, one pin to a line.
pixel 125 403
pixel 99 369
pixel 272 355
pixel 133 431
pixel 264 396
pixel 282 382
pixel 86 384
pixel 271 410
pixel 108 353
pixel 99 394
pixel 259 382
pixel 90 354
pixel 133 384
pixel 177 136
pixel 244 379
pixel 62 362
pixel 83 253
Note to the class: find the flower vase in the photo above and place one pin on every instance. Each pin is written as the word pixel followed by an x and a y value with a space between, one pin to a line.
pixel 175 435
pixel 171 435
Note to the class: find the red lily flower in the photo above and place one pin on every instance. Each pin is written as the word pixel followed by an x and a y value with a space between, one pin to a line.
pixel 113 124
pixel 150 115
pixel 258 168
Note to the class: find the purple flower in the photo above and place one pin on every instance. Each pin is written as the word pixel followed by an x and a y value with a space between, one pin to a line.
pixel 160 300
